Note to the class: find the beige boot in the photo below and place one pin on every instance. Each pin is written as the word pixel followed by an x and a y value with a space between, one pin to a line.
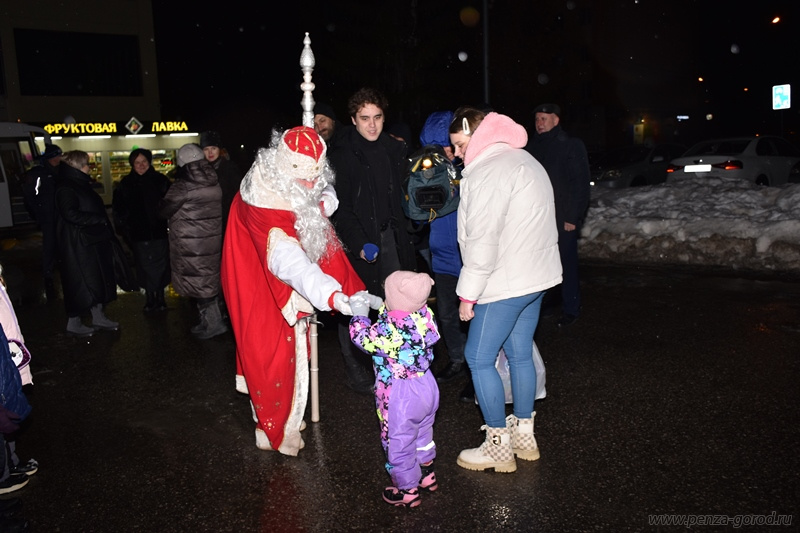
pixel 495 452
pixel 522 440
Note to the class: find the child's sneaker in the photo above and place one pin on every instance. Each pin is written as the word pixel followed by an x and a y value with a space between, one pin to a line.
pixel 428 480
pixel 400 497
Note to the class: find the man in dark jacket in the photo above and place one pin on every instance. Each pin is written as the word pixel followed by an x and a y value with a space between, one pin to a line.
pixel 566 162
pixel 369 167
pixel 39 190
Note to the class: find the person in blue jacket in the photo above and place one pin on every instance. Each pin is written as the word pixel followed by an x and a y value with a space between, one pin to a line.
pixel 446 261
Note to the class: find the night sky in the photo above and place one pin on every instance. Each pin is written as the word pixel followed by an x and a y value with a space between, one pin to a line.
pixel 236 67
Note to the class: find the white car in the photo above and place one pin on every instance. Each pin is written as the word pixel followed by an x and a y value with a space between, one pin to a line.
pixel 764 160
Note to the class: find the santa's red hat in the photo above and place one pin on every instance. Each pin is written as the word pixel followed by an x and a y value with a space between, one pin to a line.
pixel 301 153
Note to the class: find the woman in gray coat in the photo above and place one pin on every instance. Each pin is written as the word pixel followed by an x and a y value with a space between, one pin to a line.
pixel 193 206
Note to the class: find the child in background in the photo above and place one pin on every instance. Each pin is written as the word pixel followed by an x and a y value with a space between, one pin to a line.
pixel 13 474
pixel 406 394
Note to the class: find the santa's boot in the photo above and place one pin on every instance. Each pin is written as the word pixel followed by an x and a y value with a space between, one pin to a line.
pixel 522 440
pixel 101 321
pixel 495 452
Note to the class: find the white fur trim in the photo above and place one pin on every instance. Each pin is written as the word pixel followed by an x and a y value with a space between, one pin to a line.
pixel 241 384
pixel 292 442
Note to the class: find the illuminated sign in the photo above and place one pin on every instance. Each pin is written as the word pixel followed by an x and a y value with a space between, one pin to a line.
pixel 133 125
pixel 81 128
pixel 169 127
pixel 781 97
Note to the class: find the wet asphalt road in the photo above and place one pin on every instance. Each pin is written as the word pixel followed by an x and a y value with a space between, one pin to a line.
pixel 676 393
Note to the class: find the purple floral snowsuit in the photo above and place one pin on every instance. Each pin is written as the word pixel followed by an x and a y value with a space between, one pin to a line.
pixel 406 393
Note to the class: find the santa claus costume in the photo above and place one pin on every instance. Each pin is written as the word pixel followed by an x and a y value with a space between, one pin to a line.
pixel 281 259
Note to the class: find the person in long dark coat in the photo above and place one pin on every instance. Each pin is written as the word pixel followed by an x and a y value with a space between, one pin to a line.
pixel 84 235
pixel 39 189
pixel 135 207
pixel 228 172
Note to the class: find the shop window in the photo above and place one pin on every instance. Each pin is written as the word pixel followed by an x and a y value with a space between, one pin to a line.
pixel 163 162
pixel 96 171
pixel 120 167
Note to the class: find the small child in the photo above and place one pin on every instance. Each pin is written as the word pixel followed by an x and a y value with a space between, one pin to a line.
pixel 406 394
pixel 13 473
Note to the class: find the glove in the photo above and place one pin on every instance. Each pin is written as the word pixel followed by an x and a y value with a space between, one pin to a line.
pixel 9 421
pixel 359 304
pixel 370 251
pixel 374 302
pixel 341 302
pixel 329 204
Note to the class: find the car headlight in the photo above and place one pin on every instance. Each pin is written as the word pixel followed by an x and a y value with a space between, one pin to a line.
pixel 611 174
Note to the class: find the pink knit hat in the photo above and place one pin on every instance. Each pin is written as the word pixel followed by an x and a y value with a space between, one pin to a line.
pixel 407 291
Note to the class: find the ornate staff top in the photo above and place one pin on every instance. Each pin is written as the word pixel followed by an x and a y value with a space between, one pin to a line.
pixel 307 63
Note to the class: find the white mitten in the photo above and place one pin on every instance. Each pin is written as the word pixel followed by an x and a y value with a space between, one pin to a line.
pixel 374 302
pixel 359 304
pixel 330 203
pixel 341 302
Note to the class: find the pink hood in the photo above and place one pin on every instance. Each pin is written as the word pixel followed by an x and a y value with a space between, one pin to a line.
pixel 495 128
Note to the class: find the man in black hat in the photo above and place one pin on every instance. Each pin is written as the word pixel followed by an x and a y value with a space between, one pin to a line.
pixel 326 125
pixel 39 188
pixel 566 162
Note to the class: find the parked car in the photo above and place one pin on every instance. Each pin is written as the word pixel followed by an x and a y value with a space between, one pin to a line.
pixel 632 166
pixel 764 160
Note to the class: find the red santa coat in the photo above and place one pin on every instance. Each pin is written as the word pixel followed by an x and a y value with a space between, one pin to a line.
pixel 271 341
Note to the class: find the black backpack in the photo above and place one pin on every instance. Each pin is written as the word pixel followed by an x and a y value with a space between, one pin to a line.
pixel 431 185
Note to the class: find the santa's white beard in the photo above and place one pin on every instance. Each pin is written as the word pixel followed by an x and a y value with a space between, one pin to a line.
pixel 263 186
pixel 315 232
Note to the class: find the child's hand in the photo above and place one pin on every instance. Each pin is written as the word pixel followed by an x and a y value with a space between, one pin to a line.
pixel 359 305
pixel 374 302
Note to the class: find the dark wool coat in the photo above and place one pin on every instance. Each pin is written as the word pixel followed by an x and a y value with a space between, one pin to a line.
pixel 193 206
pixel 84 236
pixel 230 179
pixel 39 188
pixel 567 164
pixel 356 219
pixel 135 206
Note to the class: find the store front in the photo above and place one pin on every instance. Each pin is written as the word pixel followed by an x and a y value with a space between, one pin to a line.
pixel 110 143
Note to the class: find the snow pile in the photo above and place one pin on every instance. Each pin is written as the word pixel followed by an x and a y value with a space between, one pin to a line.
pixel 715 222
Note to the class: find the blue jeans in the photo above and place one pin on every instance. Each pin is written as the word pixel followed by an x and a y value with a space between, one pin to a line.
pixel 509 324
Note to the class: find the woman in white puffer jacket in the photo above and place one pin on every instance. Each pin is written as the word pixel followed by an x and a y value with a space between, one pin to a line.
pixel 509 247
